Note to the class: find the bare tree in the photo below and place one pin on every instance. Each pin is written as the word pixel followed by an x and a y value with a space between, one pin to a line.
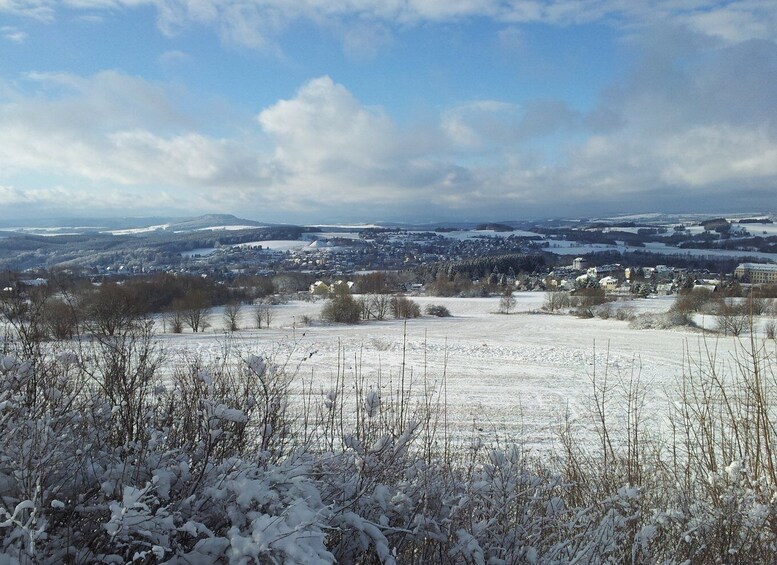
pixel 111 310
pixel 263 315
pixel 232 315
pixel 380 306
pixel 365 305
pixel 61 319
pixel 23 309
pixel 175 319
pixel 506 302
pixel 195 309
pixel 268 316
pixel 732 318
pixel 757 305
pixel 556 300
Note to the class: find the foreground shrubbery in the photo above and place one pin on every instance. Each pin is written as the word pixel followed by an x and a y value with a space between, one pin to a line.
pixel 111 452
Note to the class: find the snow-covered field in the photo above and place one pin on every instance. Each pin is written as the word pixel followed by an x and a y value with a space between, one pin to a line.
pixel 567 247
pixel 277 244
pixel 470 234
pixel 519 375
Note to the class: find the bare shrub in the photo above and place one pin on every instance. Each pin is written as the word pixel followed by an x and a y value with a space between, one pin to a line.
pixel 174 320
pixel 365 307
pixel 625 313
pixel 689 301
pixel 403 308
pixel 587 301
pixel 341 309
pixel 556 300
pixel 756 305
pixel 61 319
pixel 232 316
pixel 732 319
pixel 437 310
pixel 666 321
pixel 604 311
pixel 23 309
pixel 770 329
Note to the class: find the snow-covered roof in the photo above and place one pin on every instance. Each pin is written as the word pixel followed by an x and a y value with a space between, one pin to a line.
pixel 763 267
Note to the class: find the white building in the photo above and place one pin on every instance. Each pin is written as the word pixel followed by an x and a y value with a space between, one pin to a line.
pixel 580 263
pixel 757 273
pixel 608 283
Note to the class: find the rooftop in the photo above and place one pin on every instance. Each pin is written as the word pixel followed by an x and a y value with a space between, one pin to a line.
pixel 758 267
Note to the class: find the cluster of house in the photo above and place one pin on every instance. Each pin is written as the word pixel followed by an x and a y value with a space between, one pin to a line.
pixel 320 288
pixel 616 278
pixel 613 277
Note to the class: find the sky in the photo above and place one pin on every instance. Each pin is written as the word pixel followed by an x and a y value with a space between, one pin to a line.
pixel 386 110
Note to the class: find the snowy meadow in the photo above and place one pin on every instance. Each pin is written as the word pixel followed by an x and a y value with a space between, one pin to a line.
pixel 475 438
pixel 520 377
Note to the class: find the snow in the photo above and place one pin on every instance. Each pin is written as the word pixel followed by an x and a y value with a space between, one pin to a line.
pixel 277 244
pixel 228 228
pixel 133 231
pixel 201 251
pixel 519 375
pixel 761 230
pixel 470 234
pixel 348 226
pixel 333 235
pixel 566 247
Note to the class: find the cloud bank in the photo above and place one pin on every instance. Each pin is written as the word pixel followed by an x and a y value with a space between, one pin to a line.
pixel 690 125
pixel 257 23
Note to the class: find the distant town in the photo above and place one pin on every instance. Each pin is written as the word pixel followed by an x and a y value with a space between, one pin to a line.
pixel 649 254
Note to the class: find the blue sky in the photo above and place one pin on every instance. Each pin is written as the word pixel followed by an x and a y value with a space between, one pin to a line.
pixel 368 110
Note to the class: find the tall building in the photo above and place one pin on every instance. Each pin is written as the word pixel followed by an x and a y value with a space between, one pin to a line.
pixel 757 273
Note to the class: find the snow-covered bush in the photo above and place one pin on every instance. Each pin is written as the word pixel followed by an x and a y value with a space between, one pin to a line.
pixel 111 452
pixel 664 321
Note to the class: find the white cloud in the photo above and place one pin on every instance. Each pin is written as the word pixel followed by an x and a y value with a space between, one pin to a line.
pixel 174 58
pixel 474 124
pixel 62 199
pixel 711 155
pixel 364 41
pixel 111 127
pixel 735 22
pixel 670 133
pixel 330 148
pixel 259 23
pixel 13 34
pixel 42 10
pixel 324 120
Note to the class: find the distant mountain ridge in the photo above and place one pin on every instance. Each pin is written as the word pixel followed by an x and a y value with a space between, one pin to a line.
pixel 107 224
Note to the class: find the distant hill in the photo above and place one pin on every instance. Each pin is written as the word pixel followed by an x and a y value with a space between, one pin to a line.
pixel 85 222
pixel 52 226
pixel 213 221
